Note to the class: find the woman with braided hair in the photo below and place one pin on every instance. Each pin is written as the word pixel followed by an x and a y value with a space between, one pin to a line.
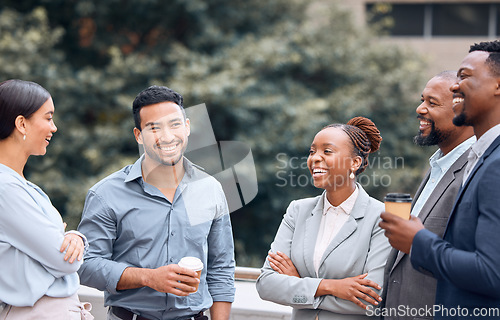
pixel 327 259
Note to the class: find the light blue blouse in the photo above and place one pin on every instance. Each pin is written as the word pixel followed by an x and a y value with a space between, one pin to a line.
pixel 31 234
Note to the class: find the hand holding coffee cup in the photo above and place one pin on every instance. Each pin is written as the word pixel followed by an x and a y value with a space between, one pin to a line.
pixel 398 204
pixel 194 264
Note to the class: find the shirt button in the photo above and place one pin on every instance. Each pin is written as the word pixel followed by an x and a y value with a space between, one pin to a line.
pixel 172 233
pixel 171 259
pixel 433 180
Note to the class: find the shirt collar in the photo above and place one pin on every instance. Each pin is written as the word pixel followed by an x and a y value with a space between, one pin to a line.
pixel 346 206
pixel 136 169
pixel 444 162
pixel 12 172
pixel 485 141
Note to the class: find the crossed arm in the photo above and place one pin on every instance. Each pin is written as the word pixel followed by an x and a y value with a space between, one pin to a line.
pixel 352 289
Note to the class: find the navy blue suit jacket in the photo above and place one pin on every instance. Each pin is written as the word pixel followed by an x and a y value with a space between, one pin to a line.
pixel 466 261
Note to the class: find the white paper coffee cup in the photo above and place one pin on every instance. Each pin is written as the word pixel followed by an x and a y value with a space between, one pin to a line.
pixel 192 263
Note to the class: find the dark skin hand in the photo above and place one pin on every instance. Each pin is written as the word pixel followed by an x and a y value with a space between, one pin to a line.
pixel 399 231
pixel 282 264
pixel 352 289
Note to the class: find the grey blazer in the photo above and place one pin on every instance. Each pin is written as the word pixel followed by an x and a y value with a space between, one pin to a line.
pixel 359 247
pixel 404 285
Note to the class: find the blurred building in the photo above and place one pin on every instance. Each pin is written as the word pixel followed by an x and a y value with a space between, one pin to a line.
pixel 441 30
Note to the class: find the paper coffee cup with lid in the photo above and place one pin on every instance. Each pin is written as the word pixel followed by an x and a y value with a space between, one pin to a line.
pixel 192 263
pixel 398 204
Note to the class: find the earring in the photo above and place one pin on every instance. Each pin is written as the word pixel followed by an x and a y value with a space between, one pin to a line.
pixel 24 137
pixel 351 175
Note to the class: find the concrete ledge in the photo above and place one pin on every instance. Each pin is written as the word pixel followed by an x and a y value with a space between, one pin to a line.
pixel 248 305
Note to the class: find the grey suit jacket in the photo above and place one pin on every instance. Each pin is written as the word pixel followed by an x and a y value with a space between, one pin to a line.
pixel 359 247
pixel 405 286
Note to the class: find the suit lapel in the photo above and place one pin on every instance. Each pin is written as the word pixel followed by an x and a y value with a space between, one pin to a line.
pixel 478 165
pixel 421 187
pixel 399 254
pixel 311 233
pixel 448 178
pixel 358 212
pixel 437 193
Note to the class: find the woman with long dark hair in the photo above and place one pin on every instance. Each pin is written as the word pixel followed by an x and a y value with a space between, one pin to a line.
pixel 38 258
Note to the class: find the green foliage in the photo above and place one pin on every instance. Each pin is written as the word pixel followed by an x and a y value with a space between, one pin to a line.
pixel 272 73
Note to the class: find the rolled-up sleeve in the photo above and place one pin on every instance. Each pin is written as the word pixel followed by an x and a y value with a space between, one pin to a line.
pixel 221 265
pixel 99 226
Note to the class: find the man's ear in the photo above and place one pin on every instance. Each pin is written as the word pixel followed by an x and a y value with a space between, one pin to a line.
pixel 188 126
pixel 138 135
pixel 497 89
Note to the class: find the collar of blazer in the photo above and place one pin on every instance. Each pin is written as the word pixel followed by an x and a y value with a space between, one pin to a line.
pixel 480 162
pixel 442 185
pixel 312 227
pixel 433 199
pixel 358 211
pixel 478 165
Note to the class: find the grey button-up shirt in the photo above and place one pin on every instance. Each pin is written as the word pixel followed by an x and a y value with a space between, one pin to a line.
pixel 130 223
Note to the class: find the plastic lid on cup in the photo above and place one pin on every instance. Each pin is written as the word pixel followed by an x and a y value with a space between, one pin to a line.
pixel 192 263
pixel 398 197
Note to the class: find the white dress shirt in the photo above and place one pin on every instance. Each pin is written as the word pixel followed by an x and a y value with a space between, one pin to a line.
pixel 331 222
pixel 478 149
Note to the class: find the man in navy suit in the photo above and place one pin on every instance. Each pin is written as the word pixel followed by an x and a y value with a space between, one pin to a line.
pixel 466 262
pixel 404 287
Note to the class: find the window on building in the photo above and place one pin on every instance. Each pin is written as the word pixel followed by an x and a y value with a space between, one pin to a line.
pixel 399 20
pixel 460 19
pixel 436 19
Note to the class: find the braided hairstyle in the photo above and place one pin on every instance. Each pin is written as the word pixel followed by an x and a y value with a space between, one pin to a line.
pixel 364 135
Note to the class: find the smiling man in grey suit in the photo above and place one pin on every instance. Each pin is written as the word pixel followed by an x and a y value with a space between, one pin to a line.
pixel 410 294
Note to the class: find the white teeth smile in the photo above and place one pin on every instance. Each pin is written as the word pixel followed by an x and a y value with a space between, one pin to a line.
pixel 171 148
pixel 319 171
pixel 424 123
pixel 458 100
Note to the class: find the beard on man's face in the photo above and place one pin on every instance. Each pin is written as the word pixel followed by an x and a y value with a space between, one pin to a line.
pixel 434 138
pixel 460 120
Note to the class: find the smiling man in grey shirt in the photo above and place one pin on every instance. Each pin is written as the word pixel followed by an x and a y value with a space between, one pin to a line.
pixel 141 220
